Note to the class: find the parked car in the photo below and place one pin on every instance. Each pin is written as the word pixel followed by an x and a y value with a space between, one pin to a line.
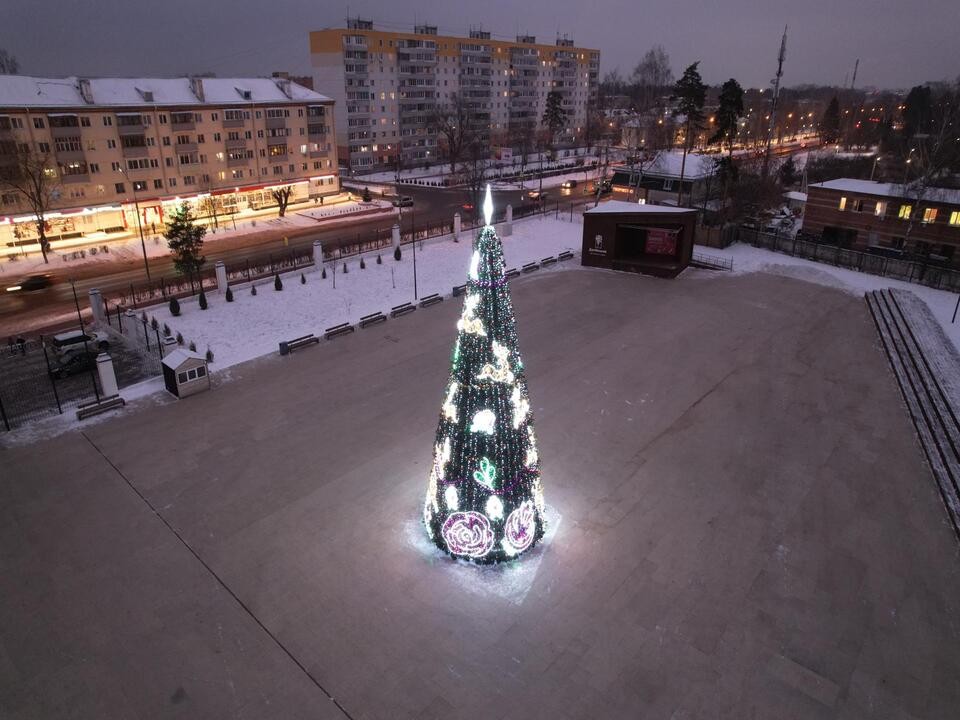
pixel 538 195
pixel 74 341
pixel 403 201
pixel 32 283
pixel 468 206
pixel 569 184
pixel 605 186
pixel 74 364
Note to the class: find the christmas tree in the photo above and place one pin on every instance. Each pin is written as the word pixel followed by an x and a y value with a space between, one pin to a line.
pixel 484 498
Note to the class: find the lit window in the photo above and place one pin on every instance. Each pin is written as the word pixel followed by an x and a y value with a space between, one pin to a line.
pixel 843 203
pixel 881 209
pixel 929 215
pixel 905 212
pixel 955 218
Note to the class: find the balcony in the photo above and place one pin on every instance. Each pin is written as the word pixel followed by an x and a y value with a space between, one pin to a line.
pixel 182 121
pixel 186 147
pixel 234 123
pixel 274 123
pixel 239 144
pixel 238 162
pixel 135 151
pixel 69 156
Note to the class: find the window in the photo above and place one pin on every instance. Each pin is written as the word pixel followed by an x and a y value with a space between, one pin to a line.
pixel 278 169
pixel 168 162
pixel 668 184
pixel 898 243
pixel 955 218
pixel 94 167
pixel 43 147
pixel 163 119
pixel 905 212
pixel 119 188
pixel 238 174
pixel 248 135
pixel 200 138
pixel 843 203
pixel 181 378
pixel 214 117
pixel 857 205
pixel 166 141
pixel 188 179
pixel 133 141
pixel 172 182
pixel 115 166
pixel 216 137
pixel 158 184
pixel 183 139
pixel 139 185
pixel 233 115
pixel 84 121
pixel 38 123
pixel 881 209
pixel 68 144
pixel 74 168
pixel 201 371
pixel 111 144
pixel 107 121
pixel 929 215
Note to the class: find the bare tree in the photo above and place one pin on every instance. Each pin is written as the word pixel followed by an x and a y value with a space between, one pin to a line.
pixel 452 123
pixel 474 171
pixel 31 174
pixel 651 77
pixel 282 196
pixel 8 63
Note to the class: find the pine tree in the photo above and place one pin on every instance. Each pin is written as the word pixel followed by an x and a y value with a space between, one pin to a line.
pixel 830 122
pixel 728 114
pixel 202 300
pixel 253 289
pixel 174 306
pixel 690 94
pixel 228 295
pixel 363 265
pixel 277 282
pixel 366 195
pixel 379 259
pixel 397 254
pixel 484 498
pixel 185 240
pixel 788 172
pixel 323 273
pixel 554 115
pixel 303 279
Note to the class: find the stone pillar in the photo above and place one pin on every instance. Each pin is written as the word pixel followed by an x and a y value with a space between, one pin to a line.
pixel 456 227
pixel 108 378
pixel 395 235
pixel 317 254
pixel 96 305
pixel 221 277
pixel 508 223
pixel 169 345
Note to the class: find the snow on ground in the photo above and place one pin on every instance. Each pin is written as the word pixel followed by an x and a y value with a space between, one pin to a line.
pixel 582 176
pixel 252 326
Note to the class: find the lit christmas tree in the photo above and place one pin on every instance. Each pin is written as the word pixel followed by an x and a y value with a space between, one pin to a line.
pixel 484 498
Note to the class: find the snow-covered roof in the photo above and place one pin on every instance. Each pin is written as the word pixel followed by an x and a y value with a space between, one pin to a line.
pixel 667 165
pixel 794 195
pixel 622 206
pixel 179 356
pixel 18 91
pixel 893 190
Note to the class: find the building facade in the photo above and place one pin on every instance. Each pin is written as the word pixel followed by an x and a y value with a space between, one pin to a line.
pixel 118 147
pixel 387 85
pixel 886 218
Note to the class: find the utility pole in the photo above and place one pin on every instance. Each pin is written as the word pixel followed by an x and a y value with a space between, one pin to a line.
pixel 773 102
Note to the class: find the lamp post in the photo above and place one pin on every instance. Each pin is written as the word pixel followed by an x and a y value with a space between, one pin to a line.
pixel 136 203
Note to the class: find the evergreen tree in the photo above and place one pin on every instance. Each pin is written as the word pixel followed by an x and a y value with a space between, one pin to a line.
pixel 202 300
pixel 554 116
pixel 379 259
pixel 788 172
pixel 323 273
pixel 397 254
pixel 484 498
pixel 917 111
pixel 174 306
pixel 228 295
pixel 303 279
pixel 185 240
pixel 728 113
pixel 366 195
pixel 690 94
pixel 253 289
pixel 363 265
pixel 830 122
pixel 277 282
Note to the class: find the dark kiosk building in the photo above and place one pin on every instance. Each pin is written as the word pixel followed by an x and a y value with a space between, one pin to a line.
pixel 650 239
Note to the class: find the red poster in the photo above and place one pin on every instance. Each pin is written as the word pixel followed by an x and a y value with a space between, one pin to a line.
pixel 661 242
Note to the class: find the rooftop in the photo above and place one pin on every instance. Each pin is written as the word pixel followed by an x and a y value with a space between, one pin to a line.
pixel 22 91
pixel 894 190
pixel 622 206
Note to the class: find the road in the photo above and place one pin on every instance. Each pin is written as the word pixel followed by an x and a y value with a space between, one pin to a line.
pixel 28 314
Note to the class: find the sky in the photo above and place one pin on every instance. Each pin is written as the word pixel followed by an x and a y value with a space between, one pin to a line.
pixel 899 44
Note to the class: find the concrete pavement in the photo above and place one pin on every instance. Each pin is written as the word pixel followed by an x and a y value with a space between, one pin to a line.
pixel 747 529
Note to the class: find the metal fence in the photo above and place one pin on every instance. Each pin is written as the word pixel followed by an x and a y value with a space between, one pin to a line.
pixel 908 270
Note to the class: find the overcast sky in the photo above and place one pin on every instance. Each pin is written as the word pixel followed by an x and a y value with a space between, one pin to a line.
pixel 899 43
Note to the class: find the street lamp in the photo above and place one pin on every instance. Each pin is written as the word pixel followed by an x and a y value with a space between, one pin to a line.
pixel 136 203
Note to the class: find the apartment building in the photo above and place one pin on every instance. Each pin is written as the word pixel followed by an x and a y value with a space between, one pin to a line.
pixel 116 146
pixel 886 218
pixel 388 84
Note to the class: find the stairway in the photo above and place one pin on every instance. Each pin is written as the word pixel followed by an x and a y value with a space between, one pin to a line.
pixel 913 356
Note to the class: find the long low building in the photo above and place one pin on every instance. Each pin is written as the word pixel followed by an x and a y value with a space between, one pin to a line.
pixel 886 218
pixel 116 145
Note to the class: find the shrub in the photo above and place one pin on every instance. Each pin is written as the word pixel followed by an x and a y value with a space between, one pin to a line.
pixel 253 289
pixel 379 259
pixel 209 355
pixel 323 273
pixel 277 282
pixel 228 295
pixel 303 279
pixel 174 307
pixel 396 253
pixel 345 269
pixel 363 265
pixel 179 339
pixel 366 194
pixel 153 323
pixel 143 317
pixel 193 346
pixel 166 330
pixel 202 300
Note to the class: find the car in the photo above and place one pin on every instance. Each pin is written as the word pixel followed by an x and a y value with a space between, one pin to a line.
pixel 74 341
pixel 32 283
pixel 569 184
pixel 468 206
pixel 403 201
pixel 74 364
pixel 538 195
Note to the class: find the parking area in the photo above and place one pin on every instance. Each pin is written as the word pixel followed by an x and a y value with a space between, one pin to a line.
pixel 743 527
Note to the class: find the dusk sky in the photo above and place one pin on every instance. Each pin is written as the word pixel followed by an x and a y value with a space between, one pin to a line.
pixel 899 44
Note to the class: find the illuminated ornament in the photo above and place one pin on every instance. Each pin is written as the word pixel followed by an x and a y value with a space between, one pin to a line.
pixel 475 265
pixel 484 422
pixel 468 534
pixel 487 474
pixel 450 498
pixel 449 409
pixel 521 406
pixel 488 206
pixel 532 457
pixel 440 457
pixel 494 508
pixel 428 517
pixel 468 322
pixel 538 495
pixel 501 371
pixel 520 529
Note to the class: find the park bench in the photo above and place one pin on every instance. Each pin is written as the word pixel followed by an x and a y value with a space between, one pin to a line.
pixel 403 309
pixel 288 346
pixel 565 255
pixel 548 261
pixel 459 290
pixel 430 300
pixel 530 267
pixel 336 330
pixel 372 319
pixel 96 407
pixel 511 273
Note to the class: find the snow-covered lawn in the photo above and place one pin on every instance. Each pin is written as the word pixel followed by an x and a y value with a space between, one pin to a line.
pixel 252 326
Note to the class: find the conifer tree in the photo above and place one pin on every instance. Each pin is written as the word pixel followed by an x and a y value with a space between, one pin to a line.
pixel 185 240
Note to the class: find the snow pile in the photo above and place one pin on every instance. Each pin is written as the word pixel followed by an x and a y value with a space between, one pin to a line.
pixel 252 326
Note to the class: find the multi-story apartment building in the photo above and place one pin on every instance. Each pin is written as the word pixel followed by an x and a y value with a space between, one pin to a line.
pixel 886 218
pixel 113 145
pixel 387 85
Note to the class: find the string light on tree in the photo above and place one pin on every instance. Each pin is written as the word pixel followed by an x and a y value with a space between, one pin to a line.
pixel 484 496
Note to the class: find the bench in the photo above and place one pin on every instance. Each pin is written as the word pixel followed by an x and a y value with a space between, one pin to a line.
pixel 459 290
pixel 288 346
pixel 403 309
pixel 511 273
pixel 431 300
pixel 95 408
pixel 530 267
pixel 372 319
pixel 565 255
pixel 341 329
pixel 548 261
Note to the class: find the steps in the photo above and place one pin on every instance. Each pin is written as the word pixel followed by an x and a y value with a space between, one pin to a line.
pixel 916 361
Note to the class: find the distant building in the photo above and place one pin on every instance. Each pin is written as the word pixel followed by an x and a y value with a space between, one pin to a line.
pixel 885 218
pixel 117 143
pixel 302 80
pixel 659 181
pixel 387 85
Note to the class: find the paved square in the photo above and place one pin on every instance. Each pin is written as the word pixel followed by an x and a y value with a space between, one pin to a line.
pixel 745 529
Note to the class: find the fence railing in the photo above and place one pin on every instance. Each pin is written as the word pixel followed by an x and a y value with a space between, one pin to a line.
pixel 908 270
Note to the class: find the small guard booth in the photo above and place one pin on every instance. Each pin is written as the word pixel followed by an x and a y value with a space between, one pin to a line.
pixel 650 239
pixel 185 373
